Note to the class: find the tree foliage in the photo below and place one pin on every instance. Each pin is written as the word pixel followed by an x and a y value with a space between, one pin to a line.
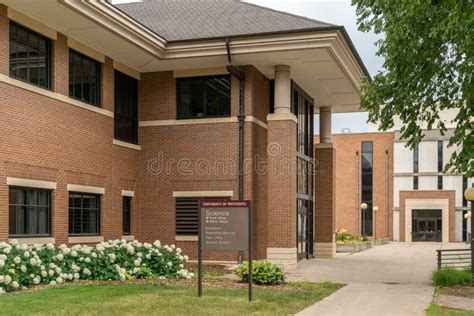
pixel 429 67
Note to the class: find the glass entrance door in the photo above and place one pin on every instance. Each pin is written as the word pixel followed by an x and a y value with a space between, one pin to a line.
pixel 427 225
pixel 302 230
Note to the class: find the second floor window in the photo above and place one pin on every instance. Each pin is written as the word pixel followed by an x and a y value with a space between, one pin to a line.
pixel 30 56
pixel 127 212
pixel 126 108
pixel 200 97
pixel 84 78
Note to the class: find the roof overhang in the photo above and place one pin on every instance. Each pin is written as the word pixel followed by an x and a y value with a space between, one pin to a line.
pixel 323 61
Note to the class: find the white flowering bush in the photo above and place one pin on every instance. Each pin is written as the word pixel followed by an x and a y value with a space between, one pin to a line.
pixel 25 265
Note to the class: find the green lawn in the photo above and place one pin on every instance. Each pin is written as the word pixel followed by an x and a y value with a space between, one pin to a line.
pixel 435 310
pixel 145 299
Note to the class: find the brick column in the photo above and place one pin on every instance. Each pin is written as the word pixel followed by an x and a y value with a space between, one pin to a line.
pixel 281 195
pixel 60 65
pixel 4 35
pixel 325 201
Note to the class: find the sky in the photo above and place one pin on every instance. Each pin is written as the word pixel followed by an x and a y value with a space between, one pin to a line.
pixel 338 12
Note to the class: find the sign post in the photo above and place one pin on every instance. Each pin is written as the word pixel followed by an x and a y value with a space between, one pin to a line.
pixel 223 226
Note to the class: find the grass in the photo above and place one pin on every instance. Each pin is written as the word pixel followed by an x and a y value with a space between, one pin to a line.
pixel 435 310
pixel 451 277
pixel 175 299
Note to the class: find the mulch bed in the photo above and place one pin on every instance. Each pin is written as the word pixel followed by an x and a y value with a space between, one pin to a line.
pixel 462 291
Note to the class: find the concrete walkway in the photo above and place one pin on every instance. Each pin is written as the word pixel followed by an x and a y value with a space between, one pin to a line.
pixel 392 279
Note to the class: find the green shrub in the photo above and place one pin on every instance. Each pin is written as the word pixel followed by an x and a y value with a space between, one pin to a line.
pixel 263 273
pixel 451 277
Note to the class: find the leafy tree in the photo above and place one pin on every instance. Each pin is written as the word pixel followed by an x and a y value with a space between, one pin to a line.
pixel 429 67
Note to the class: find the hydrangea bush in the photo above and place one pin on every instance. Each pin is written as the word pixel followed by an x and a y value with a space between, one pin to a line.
pixel 25 265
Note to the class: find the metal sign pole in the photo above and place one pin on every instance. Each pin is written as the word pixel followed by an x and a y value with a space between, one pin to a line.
pixel 250 251
pixel 199 256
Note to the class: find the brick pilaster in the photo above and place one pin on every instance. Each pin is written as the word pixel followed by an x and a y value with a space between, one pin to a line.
pixel 4 35
pixel 325 200
pixel 60 65
pixel 281 198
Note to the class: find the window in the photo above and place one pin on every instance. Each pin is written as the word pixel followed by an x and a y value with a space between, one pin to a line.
pixel 415 183
pixel 30 56
pixel 200 97
pixel 440 156
pixel 84 214
pixel 30 212
pixel 126 108
pixel 416 156
pixel 84 78
pixel 187 214
pixel 367 187
pixel 440 182
pixel 464 187
pixel 127 212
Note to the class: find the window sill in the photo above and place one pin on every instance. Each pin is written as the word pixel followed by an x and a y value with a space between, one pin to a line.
pixel 126 145
pixel 33 240
pixel 128 237
pixel 85 239
pixel 186 238
pixel 53 95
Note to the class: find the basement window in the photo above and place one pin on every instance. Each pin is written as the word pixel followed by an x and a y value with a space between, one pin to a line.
pixel 201 97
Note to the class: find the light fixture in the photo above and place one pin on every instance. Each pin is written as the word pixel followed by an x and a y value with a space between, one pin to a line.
pixel 467 215
pixel 469 194
pixel 363 206
pixel 376 208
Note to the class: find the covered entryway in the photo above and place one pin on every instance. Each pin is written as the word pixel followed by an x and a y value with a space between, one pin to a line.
pixel 427 225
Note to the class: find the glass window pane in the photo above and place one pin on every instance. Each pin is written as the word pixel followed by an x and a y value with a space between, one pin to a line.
pixel 84 79
pixel 32 220
pixel 29 56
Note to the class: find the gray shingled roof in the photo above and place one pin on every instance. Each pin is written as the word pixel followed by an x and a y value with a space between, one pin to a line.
pixel 178 20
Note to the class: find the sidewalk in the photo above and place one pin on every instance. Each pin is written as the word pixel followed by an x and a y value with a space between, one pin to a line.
pixel 392 279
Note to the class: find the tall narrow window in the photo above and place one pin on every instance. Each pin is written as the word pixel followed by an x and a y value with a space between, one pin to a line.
pixel 440 156
pixel 464 187
pixel 84 78
pixel 84 214
pixel 415 183
pixel 127 212
pixel 416 156
pixel 30 212
pixel 30 56
pixel 200 97
pixel 126 108
pixel 367 187
pixel 440 182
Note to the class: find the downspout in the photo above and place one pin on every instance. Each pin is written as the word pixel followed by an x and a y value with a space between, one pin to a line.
pixel 241 116
pixel 357 208
pixel 387 188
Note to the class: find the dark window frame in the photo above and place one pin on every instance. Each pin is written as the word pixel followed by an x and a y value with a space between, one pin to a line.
pixel 126 108
pixel 97 100
pixel 415 183
pixel 27 206
pixel 367 189
pixel 440 156
pixel 48 55
pixel 464 187
pixel 416 158
pixel 201 78
pixel 440 182
pixel 126 215
pixel 82 210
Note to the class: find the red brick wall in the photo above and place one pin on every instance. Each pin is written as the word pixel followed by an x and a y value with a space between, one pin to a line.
pixel 45 139
pixel 4 35
pixel 204 150
pixel 346 146
pixel 325 194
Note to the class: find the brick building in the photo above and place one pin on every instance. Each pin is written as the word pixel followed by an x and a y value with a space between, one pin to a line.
pixel 117 120
pixel 416 199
